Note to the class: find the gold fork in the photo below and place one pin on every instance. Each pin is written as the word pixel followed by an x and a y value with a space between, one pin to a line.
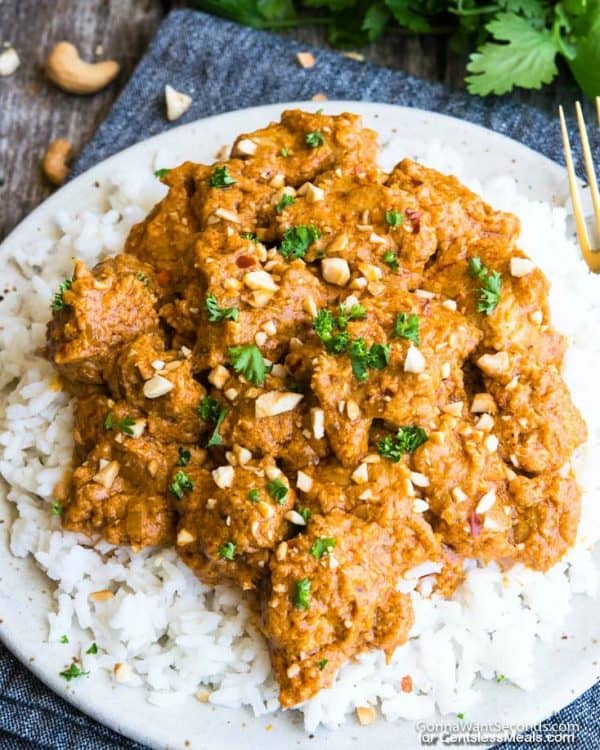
pixel 590 255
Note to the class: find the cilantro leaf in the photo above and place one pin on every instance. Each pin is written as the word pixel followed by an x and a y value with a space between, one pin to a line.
pixel 322 663
pixel 56 509
pixel 585 64
pixel 394 218
pixel 211 411
pixel 491 286
pixel 346 314
pixel 125 425
pixel 254 495
pixel 285 201
pixel 379 356
pixel 406 440
pixel 527 58
pixel 185 457
pixel 217 314
pixel 58 303
pixel 93 649
pixel 181 483
pixel 322 546
pixel 297 240
pixel 407 327
pixel 160 173
pixel 306 513
pixel 220 178
pixel 301 597
pixel 314 139
pixel 72 672
pixel 64 639
pixel 391 259
pixel 404 12
pixel 376 18
pixel 248 361
pixel 227 551
pixel 277 490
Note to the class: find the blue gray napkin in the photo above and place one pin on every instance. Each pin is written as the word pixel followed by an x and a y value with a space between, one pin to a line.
pixel 228 67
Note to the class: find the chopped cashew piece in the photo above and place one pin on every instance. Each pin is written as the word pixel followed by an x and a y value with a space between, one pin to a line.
pixel 107 474
pixel 157 386
pixel 218 376
pixel 366 714
pixel 361 475
pixel 9 62
pixel 420 506
pixel 486 502
pixel 185 537
pixel 245 147
pixel 304 482
pixel 317 420
pixel 276 402
pixel 223 476
pixel 177 102
pixel 312 193
pixel 520 267
pixel 260 280
pixel 335 271
pixel 69 72
pixel 54 163
pixel 294 517
pixel 122 672
pixel 415 361
pixel 305 59
pixel 494 364
pixel 482 403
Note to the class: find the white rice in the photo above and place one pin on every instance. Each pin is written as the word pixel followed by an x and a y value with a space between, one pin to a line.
pixel 179 637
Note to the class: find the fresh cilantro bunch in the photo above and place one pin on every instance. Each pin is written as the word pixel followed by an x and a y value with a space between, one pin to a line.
pixel 515 43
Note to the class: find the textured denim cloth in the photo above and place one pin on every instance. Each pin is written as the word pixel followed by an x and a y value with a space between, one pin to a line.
pixel 227 67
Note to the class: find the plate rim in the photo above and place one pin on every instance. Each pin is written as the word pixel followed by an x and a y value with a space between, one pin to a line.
pixel 84 702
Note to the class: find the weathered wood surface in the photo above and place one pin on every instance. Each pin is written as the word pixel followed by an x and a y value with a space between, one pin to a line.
pixel 33 112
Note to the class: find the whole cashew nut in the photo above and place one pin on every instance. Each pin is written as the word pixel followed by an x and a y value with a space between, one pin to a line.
pixel 69 72
pixel 54 164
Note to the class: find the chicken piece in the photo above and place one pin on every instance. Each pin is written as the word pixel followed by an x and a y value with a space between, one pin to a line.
pixel 165 238
pixel 282 148
pixel 118 493
pixel 547 517
pixel 332 596
pixel 271 317
pixel 232 518
pixel 101 311
pixel 286 434
pixel 392 393
pixel 467 490
pixel 458 215
pixel 159 383
pixel 539 425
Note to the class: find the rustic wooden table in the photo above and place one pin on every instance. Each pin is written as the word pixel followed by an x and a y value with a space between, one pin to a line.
pixel 33 112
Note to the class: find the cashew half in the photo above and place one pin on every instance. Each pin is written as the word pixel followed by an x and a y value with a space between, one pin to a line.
pixel 69 72
pixel 54 164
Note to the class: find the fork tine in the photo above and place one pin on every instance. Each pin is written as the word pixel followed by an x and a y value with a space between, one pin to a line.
pixel 582 235
pixel 589 165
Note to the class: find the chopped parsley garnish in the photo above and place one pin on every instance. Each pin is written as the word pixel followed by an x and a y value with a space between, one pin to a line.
pixel 181 483
pixel 212 412
pixel 160 173
pixel 217 314
pixel 249 236
pixel 500 678
pixel 249 362
pixel 277 490
pixel 58 302
pixel 324 325
pixel 56 509
pixel 460 716
pixel 254 495
pixel 491 286
pixel 297 240
pixel 185 457
pixel 305 513
pixel 285 201
pixel 220 178
pixel 227 551
pixel 140 276
pixel 407 327
pixel 394 218
pixel 72 672
pixel 322 663
pixel 93 649
pixel 391 259
pixel 361 358
pixel 314 139
pixel 322 546
pixel 64 639
pixel 125 425
pixel 346 314
pixel 301 596
pixel 406 440
pixel 285 152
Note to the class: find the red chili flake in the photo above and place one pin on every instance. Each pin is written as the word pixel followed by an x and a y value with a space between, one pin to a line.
pixel 415 218
pixel 244 261
pixel 474 524
pixel 406 684
pixel 163 277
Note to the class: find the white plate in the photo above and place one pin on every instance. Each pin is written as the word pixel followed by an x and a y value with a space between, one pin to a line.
pixel 562 672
